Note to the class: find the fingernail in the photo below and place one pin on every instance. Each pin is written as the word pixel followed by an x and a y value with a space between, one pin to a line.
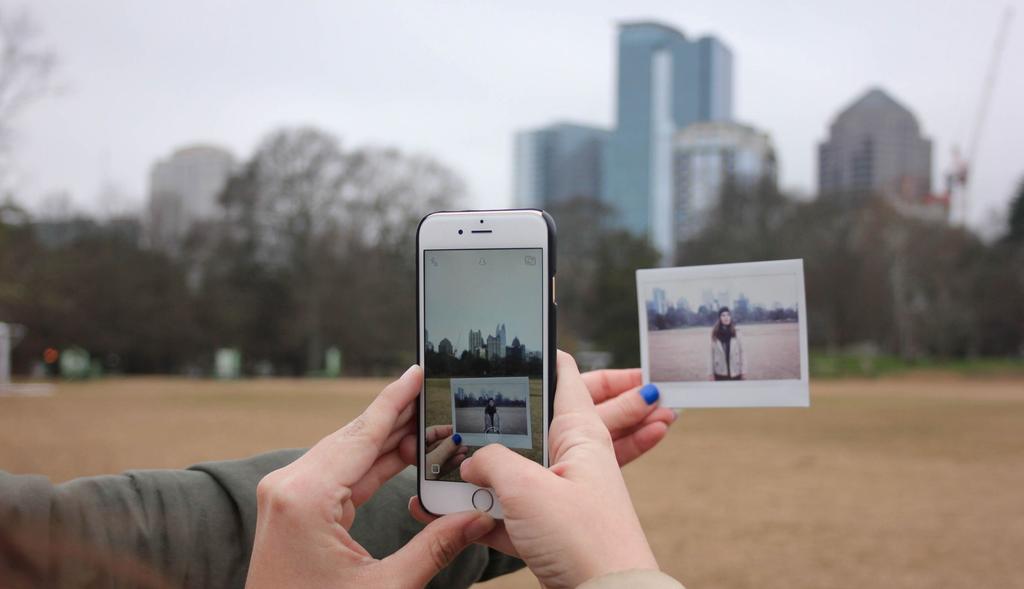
pixel 479 526
pixel 677 414
pixel 457 439
pixel 650 393
pixel 409 369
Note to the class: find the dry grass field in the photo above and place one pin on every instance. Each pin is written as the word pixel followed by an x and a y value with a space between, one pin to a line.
pixel 909 482
pixel 770 352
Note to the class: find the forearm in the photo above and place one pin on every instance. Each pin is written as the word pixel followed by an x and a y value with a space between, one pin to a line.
pixel 181 528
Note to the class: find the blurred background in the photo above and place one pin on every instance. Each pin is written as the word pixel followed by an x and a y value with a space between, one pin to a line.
pixel 208 215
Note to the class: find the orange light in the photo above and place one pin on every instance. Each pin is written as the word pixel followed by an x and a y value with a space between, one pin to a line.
pixel 50 355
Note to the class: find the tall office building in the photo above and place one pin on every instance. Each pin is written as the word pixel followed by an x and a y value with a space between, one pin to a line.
pixel 875 146
pixel 706 156
pixel 183 188
pixel 665 83
pixel 476 340
pixel 558 162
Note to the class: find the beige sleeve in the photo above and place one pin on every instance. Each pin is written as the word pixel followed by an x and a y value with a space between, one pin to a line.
pixel 635 579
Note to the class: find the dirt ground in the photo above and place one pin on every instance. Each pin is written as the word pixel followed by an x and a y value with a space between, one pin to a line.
pixel 471 420
pixel 770 352
pixel 910 482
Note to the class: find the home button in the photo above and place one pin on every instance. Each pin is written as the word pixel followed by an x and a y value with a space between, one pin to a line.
pixel 483 500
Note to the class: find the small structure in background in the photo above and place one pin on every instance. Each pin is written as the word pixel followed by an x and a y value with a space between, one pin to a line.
pixel 75 364
pixel 10 335
pixel 227 363
pixel 332 362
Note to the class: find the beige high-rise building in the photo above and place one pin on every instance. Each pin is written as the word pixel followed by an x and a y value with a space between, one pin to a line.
pixel 875 146
pixel 183 189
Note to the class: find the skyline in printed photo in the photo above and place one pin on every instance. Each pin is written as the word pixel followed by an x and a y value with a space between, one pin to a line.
pixel 768 291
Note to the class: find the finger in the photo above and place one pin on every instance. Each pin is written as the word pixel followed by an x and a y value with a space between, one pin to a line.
pixel 397 436
pixel 446 448
pixel 435 547
pixel 661 414
pixel 344 456
pixel 497 538
pixel 381 472
pixel 604 384
pixel 571 395
pixel 503 470
pixel 437 432
pixel 629 448
pixel 453 463
pixel 630 408
pixel 407 449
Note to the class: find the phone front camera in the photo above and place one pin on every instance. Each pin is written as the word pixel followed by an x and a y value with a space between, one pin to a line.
pixel 460 231
pixel 481 220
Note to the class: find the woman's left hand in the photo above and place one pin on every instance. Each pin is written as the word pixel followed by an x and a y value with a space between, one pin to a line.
pixel 630 410
pixel 306 508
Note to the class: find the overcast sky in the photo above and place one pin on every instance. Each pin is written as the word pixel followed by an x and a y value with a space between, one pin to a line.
pixel 455 79
pixel 462 295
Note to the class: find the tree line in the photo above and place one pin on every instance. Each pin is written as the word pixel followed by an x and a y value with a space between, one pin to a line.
pixel 313 246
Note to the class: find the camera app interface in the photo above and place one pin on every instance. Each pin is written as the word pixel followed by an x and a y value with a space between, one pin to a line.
pixel 484 355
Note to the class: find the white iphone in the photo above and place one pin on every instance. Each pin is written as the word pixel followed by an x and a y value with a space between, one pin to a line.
pixel 486 339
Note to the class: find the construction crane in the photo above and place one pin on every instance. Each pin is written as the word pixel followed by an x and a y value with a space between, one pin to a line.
pixel 960 173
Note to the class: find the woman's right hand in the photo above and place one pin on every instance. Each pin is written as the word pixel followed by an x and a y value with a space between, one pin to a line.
pixel 574 521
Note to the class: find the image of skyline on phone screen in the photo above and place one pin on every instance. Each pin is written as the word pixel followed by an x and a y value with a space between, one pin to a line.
pixel 483 353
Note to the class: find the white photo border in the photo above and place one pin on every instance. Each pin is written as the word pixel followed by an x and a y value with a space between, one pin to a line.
pixel 520 441
pixel 745 393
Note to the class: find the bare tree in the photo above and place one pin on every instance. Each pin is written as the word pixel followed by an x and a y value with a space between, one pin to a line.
pixel 27 69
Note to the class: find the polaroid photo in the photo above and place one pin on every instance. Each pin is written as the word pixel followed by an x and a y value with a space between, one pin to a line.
pixel 489 410
pixel 729 335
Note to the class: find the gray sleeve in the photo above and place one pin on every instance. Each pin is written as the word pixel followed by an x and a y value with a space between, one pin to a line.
pixel 179 528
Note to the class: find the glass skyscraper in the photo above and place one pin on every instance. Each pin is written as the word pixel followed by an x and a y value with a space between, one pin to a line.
pixel 665 82
pixel 558 162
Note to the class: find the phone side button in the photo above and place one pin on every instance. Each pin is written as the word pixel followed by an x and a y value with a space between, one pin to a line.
pixel 483 500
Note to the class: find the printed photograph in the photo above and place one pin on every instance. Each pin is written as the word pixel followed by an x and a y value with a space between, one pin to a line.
pixel 739 328
pixel 492 410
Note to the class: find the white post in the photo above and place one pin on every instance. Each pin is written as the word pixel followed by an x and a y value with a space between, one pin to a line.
pixel 5 355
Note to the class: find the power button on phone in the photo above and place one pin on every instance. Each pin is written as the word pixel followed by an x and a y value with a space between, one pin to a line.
pixel 483 500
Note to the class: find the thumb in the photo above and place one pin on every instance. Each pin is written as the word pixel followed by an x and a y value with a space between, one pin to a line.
pixel 629 409
pixel 436 546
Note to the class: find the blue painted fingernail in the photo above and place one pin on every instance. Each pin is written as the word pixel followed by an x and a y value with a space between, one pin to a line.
pixel 457 439
pixel 650 393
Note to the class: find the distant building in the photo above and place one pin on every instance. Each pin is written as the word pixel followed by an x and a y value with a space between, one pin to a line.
pixel 556 163
pixel 494 349
pixel 476 340
pixel 707 155
pixel 875 146
pixel 516 351
pixel 445 348
pixel 183 188
pixel 666 82
pixel 660 302
pixel 499 334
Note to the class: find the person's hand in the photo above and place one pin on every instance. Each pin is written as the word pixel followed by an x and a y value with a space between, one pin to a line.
pixel 574 521
pixel 304 510
pixel 630 411
pixel 443 449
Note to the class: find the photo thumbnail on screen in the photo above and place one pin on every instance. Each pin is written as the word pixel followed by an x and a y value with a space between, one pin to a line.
pixel 483 354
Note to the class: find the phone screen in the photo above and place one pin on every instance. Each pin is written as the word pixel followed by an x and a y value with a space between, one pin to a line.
pixel 483 355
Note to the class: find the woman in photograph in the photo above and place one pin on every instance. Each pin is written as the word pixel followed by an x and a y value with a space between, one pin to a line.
pixel 490 417
pixel 726 348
